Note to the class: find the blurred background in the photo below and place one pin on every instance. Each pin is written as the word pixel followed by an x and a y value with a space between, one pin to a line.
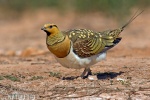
pixel 21 21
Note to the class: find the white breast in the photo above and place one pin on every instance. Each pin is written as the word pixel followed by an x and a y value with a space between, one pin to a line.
pixel 74 61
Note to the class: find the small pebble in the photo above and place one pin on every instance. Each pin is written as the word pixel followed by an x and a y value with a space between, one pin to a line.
pixel 92 77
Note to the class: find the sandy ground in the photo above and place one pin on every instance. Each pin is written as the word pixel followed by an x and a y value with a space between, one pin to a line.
pixel 28 71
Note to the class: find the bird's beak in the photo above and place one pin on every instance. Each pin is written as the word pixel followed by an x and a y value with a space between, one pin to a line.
pixel 43 28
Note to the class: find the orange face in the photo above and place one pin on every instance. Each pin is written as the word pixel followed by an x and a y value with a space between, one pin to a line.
pixel 50 29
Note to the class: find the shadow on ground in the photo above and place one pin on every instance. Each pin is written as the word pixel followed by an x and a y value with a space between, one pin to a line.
pixel 108 75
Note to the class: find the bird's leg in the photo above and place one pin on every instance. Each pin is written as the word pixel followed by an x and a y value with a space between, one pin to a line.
pixel 89 71
pixel 86 72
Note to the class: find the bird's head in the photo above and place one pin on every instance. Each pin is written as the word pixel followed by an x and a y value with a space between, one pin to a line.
pixel 50 29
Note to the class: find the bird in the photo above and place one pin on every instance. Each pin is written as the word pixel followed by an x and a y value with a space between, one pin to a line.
pixel 81 48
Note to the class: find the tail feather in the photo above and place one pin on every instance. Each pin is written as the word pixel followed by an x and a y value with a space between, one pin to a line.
pixel 115 33
pixel 111 37
pixel 132 18
pixel 115 42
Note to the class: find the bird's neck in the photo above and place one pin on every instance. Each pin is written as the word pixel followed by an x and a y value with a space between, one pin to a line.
pixel 59 45
pixel 54 39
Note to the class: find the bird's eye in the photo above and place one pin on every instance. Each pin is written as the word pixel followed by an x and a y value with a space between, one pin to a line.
pixel 50 26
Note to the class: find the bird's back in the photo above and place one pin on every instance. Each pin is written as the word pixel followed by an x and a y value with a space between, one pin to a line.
pixel 87 43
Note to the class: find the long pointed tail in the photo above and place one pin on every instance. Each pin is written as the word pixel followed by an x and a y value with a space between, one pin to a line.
pixel 136 14
pixel 111 37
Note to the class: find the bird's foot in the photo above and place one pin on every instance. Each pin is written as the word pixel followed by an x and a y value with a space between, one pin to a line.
pixel 86 73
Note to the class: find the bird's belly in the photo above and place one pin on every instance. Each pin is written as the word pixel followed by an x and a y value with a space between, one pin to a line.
pixel 73 61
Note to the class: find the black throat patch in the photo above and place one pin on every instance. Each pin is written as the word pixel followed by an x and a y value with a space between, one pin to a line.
pixel 48 33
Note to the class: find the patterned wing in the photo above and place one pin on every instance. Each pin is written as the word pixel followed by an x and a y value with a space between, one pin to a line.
pixel 87 43
pixel 88 47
